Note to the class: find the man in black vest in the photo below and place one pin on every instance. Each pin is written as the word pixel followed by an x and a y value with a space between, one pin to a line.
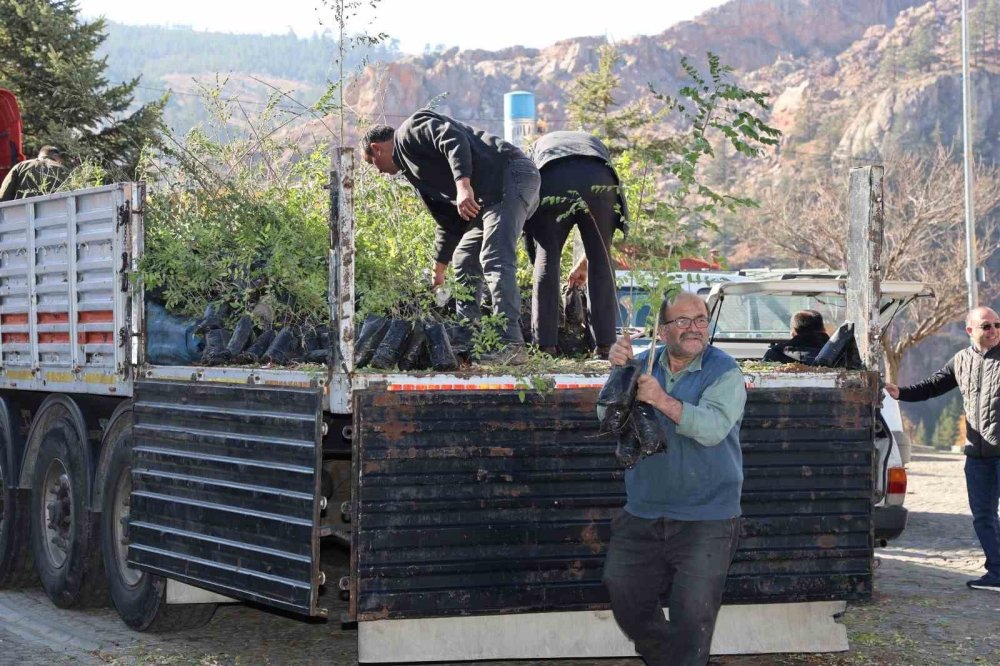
pixel 975 371
pixel 480 190
pixel 575 166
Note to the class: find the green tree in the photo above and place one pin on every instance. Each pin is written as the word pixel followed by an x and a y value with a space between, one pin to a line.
pixel 918 55
pixel 946 430
pixel 593 107
pixel 48 60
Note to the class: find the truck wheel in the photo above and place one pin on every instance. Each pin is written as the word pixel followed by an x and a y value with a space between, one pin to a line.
pixel 140 597
pixel 16 568
pixel 62 535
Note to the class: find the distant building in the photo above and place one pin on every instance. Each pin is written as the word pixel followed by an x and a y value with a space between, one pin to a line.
pixel 519 117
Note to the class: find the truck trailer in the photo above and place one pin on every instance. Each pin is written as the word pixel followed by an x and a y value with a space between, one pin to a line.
pixel 476 506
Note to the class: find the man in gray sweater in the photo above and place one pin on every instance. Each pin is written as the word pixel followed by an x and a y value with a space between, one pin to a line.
pixel 480 190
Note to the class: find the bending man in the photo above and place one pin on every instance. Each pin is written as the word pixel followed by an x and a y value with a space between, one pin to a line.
pixel 575 165
pixel 480 190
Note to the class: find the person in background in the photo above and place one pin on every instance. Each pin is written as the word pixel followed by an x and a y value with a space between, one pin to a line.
pixel 32 178
pixel 575 166
pixel 680 525
pixel 975 372
pixel 480 191
pixel 808 337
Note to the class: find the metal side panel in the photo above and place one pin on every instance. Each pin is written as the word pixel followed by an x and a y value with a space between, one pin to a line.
pixel 226 489
pixel 474 503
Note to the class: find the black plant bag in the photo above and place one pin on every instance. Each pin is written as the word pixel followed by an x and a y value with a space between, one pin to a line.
pixel 416 356
pixel 284 348
pixel 253 353
pixel 241 336
pixel 442 357
pixel 392 345
pixel 628 450
pixel 617 396
pixel 372 332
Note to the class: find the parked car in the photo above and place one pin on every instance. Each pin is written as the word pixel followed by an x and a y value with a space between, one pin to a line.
pixel 748 316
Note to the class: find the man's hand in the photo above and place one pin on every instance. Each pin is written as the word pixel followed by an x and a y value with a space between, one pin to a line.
pixel 650 391
pixel 621 351
pixel 578 276
pixel 465 201
pixel 438 278
pixel 892 390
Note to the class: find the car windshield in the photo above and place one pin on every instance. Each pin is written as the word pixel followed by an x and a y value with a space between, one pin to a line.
pixel 767 316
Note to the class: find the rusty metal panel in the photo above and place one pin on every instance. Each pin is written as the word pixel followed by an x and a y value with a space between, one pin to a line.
pixel 476 503
pixel 225 489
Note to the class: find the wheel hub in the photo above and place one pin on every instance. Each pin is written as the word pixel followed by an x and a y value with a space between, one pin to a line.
pixel 58 508
pixel 123 490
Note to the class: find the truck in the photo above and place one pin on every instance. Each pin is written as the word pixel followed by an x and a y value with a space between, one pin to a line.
pixel 475 506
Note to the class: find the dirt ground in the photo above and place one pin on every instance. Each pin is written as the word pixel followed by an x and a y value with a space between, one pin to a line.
pixel 921 613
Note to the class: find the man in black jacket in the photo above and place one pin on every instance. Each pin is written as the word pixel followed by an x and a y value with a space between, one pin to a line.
pixel 975 371
pixel 480 190
pixel 808 337
pixel 575 166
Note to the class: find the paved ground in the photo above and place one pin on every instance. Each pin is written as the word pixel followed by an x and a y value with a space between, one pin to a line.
pixel 922 613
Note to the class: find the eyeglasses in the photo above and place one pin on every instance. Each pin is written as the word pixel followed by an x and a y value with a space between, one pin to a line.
pixel 987 326
pixel 685 322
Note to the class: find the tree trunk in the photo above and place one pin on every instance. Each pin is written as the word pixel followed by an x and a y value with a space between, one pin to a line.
pixel 893 359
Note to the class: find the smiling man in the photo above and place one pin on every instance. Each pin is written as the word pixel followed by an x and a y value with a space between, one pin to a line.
pixel 975 371
pixel 678 531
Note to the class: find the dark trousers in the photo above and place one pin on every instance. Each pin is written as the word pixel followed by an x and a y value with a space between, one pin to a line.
pixel 982 480
pixel 686 560
pixel 489 248
pixel 597 225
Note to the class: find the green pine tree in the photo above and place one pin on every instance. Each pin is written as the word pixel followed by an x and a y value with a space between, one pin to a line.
pixel 946 430
pixel 48 60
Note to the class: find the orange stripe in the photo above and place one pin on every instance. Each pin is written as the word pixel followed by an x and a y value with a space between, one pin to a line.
pixel 95 338
pixel 52 338
pixel 95 317
pixel 14 318
pixel 14 338
pixel 53 317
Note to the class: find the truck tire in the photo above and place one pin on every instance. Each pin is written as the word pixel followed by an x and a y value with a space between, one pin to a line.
pixel 16 566
pixel 139 597
pixel 63 535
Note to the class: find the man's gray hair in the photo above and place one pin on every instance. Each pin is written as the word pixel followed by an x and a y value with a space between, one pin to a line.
pixel 679 296
pixel 50 152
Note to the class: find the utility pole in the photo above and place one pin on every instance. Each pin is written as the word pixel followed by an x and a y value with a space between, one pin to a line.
pixel 972 271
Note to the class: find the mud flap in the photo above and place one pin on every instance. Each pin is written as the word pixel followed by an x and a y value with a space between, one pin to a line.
pixel 226 490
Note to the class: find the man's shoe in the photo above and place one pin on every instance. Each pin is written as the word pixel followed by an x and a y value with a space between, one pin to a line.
pixel 510 355
pixel 987 582
pixel 601 352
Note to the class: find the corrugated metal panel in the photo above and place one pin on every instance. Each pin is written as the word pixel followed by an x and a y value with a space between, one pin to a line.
pixel 225 489
pixel 471 503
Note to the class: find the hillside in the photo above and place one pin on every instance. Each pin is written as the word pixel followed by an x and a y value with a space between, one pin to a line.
pixel 187 62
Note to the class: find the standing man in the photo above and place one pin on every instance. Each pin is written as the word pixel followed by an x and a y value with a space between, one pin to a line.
pixel 32 178
pixel 480 190
pixel 574 166
pixel 678 531
pixel 975 371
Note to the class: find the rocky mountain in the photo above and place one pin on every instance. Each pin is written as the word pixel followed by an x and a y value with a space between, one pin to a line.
pixel 847 78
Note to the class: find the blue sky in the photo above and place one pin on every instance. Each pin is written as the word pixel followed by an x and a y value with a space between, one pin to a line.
pixel 414 23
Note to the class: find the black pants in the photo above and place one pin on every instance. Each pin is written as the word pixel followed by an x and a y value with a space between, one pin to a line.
pixel 560 179
pixel 687 560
